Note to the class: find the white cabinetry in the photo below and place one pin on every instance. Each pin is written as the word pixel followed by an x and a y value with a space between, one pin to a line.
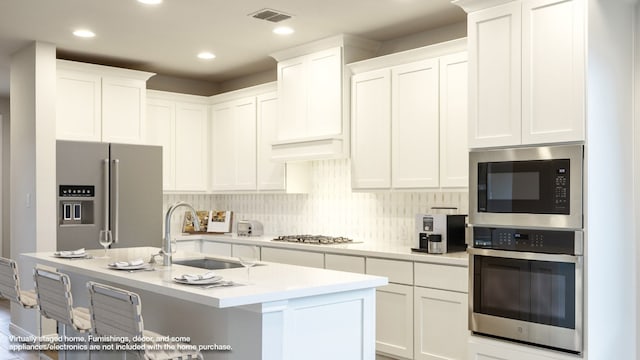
pixel 216 248
pixel 394 307
pixel 441 312
pixel 178 123
pixel 188 246
pixel 243 127
pixel 270 174
pixel 314 96
pixel 293 257
pixel 409 119
pixel 100 103
pixel 347 263
pixel 527 73
pixel 233 145
pixel 482 348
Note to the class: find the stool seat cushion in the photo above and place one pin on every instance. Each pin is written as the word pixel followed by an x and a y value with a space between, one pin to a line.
pixel 28 299
pixel 166 354
pixel 82 318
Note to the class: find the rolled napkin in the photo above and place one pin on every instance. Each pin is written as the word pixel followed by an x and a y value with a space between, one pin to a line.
pixel 136 262
pixel 70 252
pixel 197 277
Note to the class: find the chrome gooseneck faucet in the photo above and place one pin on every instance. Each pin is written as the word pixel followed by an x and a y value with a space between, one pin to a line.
pixel 166 248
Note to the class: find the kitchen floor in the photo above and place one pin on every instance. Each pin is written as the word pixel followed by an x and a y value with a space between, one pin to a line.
pixel 5 353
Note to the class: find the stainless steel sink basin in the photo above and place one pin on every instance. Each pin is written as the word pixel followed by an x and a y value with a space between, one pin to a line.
pixel 208 263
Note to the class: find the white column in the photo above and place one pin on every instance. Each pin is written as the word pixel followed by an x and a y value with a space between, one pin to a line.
pixel 32 163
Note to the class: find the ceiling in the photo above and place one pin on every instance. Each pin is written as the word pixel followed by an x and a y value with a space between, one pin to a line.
pixel 166 38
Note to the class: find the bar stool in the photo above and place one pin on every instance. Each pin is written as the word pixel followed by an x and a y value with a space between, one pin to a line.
pixel 117 312
pixel 10 285
pixel 56 302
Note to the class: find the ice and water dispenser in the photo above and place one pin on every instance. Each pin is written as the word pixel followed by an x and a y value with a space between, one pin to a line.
pixel 76 204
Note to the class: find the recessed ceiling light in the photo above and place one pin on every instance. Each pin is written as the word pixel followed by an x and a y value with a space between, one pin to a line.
pixel 150 2
pixel 84 33
pixel 283 30
pixel 206 55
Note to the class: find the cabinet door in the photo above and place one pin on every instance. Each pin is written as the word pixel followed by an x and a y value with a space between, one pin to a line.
pixel 160 130
pixel 293 96
pixel 233 134
pixel 324 93
pixel 440 326
pixel 394 320
pixel 246 251
pixel 78 106
pixel 371 130
pixel 191 147
pixel 293 257
pixel 494 76
pixel 123 110
pixel 244 143
pixel 454 154
pixel 414 125
pixel 271 174
pixel 222 158
pixel 553 71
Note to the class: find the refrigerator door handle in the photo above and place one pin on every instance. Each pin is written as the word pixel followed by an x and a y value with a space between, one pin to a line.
pixel 106 194
pixel 116 199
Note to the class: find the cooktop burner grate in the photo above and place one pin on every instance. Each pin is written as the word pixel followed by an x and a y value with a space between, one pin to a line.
pixel 314 239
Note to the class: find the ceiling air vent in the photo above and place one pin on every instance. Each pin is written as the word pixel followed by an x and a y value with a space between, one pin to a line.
pixel 270 15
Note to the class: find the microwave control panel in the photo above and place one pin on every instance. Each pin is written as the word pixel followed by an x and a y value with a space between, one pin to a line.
pixel 526 240
pixel 561 194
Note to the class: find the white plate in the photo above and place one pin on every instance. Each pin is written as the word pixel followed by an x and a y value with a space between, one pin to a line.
pixel 70 256
pixel 128 267
pixel 212 280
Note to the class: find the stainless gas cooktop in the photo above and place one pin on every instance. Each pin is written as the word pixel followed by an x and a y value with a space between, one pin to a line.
pixel 314 239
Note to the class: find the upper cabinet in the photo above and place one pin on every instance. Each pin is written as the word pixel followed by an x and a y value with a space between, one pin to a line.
pixel 313 88
pixel 179 123
pixel 526 72
pixel 243 127
pixel 409 116
pixel 100 103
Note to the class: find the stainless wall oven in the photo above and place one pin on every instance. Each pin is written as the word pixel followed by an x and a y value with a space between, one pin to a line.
pixel 530 187
pixel 526 285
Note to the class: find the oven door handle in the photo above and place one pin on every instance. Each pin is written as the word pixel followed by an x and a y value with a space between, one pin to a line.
pixel 575 259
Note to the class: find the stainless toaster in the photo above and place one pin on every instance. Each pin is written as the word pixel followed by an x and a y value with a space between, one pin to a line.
pixel 249 228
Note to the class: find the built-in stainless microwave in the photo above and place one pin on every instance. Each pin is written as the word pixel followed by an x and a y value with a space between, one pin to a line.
pixel 529 187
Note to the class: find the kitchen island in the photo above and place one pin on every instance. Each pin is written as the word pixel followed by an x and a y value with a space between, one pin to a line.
pixel 284 312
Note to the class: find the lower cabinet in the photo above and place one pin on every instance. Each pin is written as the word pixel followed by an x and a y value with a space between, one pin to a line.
pixel 440 324
pixel 188 246
pixel 354 264
pixel 216 248
pixel 394 320
pixel 293 257
pixel 250 252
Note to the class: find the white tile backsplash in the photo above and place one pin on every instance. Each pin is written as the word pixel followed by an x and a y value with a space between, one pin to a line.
pixel 385 217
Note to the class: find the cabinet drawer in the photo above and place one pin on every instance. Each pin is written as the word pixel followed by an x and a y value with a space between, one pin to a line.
pixel 400 272
pixel 247 251
pixel 454 278
pixel 215 248
pixel 348 263
pixel 293 257
pixel 188 245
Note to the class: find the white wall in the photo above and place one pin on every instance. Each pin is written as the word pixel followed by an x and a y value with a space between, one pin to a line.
pixel 32 162
pixel 610 256
pixel 331 208
pixel 636 162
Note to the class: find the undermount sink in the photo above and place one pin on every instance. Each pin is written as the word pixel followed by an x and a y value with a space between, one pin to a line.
pixel 209 264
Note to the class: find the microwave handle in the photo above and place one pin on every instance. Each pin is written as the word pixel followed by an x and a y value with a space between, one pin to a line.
pixel 575 259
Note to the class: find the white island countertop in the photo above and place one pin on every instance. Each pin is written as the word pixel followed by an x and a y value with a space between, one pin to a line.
pixel 269 282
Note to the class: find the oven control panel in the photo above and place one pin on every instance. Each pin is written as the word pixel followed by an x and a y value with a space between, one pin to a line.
pixel 528 240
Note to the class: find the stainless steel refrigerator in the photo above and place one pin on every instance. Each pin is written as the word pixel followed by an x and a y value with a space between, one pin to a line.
pixel 108 186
